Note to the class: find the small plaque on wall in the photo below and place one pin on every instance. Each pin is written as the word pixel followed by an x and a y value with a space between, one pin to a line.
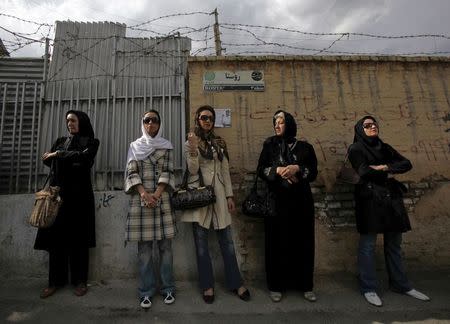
pixel 223 117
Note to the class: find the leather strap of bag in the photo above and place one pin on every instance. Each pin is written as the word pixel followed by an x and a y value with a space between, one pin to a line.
pixel 184 183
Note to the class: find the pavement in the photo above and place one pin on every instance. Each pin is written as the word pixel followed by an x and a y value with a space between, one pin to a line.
pixel 116 301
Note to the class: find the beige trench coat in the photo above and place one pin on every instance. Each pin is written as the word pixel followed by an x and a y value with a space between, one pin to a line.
pixel 216 170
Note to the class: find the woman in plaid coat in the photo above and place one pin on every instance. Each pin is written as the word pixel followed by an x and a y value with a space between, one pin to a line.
pixel 150 218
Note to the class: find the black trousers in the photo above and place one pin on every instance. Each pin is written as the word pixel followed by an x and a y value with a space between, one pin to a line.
pixel 289 254
pixel 62 260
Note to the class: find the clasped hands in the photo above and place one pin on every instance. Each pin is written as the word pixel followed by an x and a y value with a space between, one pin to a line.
pixel 151 200
pixel 289 173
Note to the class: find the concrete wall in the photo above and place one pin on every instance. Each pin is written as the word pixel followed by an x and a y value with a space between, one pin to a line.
pixel 110 259
pixel 327 95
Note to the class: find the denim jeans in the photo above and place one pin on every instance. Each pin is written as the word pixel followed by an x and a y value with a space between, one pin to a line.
pixel 148 281
pixel 205 272
pixel 393 258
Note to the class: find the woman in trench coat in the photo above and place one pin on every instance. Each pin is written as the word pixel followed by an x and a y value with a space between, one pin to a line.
pixel 207 153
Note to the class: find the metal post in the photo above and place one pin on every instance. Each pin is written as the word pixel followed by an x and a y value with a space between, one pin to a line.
pixel 217 33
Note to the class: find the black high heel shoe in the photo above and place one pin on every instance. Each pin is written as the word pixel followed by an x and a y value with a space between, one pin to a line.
pixel 209 299
pixel 245 296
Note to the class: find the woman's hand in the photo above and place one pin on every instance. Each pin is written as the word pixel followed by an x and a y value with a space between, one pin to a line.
pixel 148 199
pixel 231 205
pixel 382 167
pixel 192 142
pixel 292 179
pixel 288 171
pixel 48 155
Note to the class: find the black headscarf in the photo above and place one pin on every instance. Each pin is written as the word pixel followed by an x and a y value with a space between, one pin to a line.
pixel 288 137
pixel 374 145
pixel 209 140
pixel 85 130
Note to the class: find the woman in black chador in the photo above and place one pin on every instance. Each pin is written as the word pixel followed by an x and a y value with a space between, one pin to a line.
pixel 379 209
pixel 68 240
pixel 288 166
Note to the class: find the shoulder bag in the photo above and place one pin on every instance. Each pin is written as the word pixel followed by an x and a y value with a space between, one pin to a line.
pixel 347 174
pixel 259 204
pixel 46 205
pixel 190 198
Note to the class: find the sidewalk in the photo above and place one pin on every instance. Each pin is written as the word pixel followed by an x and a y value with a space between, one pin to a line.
pixel 116 302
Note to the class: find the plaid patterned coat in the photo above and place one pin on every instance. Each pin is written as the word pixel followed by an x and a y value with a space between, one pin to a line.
pixel 143 223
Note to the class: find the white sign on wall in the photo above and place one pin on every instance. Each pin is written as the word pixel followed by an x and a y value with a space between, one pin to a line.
pixel 252 80
pixel 223 117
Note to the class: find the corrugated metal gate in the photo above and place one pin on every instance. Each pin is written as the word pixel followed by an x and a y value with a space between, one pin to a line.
pixel 114 79
pixel 20 91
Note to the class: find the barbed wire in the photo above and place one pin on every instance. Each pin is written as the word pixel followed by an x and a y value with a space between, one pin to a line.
pixel 168 16
pixel 338 34
pixel 201 36
pixel 25 20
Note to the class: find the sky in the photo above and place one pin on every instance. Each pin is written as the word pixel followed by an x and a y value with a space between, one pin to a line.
pixel 290 27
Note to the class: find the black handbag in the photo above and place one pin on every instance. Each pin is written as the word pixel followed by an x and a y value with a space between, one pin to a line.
pixel 347 174
pixel 190 198
pixel 259 204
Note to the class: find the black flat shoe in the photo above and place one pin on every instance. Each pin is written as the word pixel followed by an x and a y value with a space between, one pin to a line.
pixel 245 296
pixel 209 299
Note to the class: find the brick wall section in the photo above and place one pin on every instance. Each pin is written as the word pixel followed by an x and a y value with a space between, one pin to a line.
pixel 334 209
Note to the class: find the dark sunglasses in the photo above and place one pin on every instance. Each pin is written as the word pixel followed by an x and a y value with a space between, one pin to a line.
pixel 206 118
pixel 154 120
pixel 370 125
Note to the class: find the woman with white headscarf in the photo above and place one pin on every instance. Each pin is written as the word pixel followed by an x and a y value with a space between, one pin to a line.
pixel 149 174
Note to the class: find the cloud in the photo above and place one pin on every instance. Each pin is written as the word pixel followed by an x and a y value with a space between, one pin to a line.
pixel 383 17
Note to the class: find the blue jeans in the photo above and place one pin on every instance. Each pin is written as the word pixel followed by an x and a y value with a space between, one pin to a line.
pixel 205 272
pixel 393 258
pixel 147 286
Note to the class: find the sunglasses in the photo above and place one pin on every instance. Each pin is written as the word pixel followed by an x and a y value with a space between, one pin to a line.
pixel 370 125
pixel 206 118
pixel 154 120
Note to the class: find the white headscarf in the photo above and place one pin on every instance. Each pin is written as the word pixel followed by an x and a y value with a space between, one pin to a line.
pixel 145 145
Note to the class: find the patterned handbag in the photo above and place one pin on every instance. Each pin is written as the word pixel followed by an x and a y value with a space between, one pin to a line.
pixel 257 204
pixel 190 198
pixel 46 206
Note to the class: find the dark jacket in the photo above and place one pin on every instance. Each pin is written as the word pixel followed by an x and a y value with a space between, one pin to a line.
pixel 302 154
pixel 379 204
pixel 71 170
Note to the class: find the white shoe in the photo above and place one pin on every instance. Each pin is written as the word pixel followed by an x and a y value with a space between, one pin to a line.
pixel 418 295
pixel 275 296
pixel 169 298
pixel 146 302
pixel 373 299
pixel 310 296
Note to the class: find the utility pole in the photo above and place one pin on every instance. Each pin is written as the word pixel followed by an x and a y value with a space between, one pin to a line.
pixel 217 34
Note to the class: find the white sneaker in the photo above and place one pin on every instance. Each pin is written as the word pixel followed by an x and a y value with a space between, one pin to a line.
pixel 275 296
pixel 146 302
pixel 373 299
pixel 310 296
pixel 169 298
pixel 418 295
